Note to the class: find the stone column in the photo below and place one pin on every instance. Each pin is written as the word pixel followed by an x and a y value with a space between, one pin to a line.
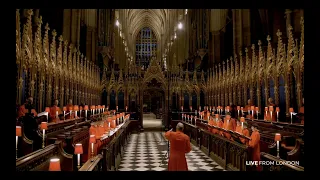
pixel 246 32
pixel 66 25
pixel 288 20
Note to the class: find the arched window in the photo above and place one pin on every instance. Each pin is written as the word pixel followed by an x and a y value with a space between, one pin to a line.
pixel 146 47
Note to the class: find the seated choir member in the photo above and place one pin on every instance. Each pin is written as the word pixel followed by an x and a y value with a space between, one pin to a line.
pixel 254 143
pixel 217 122
pixel 228 125
pixel 70 113
pixel 23 109
pixel 244 131
pixel 55 111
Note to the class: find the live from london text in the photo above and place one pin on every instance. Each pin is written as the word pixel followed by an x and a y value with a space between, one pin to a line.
pixel 270 163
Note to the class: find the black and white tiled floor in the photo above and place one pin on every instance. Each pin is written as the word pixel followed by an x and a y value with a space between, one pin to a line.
pixel 147 152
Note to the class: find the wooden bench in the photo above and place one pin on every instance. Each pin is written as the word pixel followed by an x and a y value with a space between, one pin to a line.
pixel 39 160
pixel 93 164
pixel 279 164
pixel 229 154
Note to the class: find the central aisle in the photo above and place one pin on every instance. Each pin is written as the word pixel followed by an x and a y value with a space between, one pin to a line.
pixel 145 152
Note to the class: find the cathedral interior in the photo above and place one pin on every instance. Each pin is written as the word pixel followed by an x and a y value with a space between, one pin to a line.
pixel 96 89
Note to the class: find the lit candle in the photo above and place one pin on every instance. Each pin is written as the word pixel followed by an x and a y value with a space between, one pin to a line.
pixel 278 110
pixel 257 111
pixel 266 109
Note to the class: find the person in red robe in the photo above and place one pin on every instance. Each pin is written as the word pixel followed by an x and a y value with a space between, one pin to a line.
pixel 244 131
pixel 23 109
pixel 55 112
pixel 254 143
pixel 70 113
pixel 227 125
pixel 179 146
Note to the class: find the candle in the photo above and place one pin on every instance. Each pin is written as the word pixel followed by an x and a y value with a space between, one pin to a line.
pixel 291 113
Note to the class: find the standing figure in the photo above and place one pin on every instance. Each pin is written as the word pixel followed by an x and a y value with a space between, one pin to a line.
pixel 179 146
pixel 254 143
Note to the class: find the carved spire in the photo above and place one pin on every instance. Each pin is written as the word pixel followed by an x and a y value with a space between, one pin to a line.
pixel 187 76
pixel 120 80
pixel 301 53
pixel 195 78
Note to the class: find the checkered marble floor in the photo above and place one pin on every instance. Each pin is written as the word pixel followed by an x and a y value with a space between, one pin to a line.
pixel 147 151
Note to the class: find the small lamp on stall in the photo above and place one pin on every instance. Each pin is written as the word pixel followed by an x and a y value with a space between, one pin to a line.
pixel 103 108
pixel 43 127
pixel 126 108
pixel 76 109
pixel 48 111
pixel 252 111
pixel 238 109
pixel 54 165
pixel 266 114
pixel 210 108
pixel 117 108
pixel 213 109
pixel 181 108
pixel 217 117
pixel 277 110
pixel 291 113
pixel 96 109
pixel 92 141
pixel 257 111
pixel 199 108
pixel 195 120
pixel 18 134
pixel 107 108
pixel 86 107
pixel 241 111
pixel 78 150
pixel 188 117
pixel 242 120
pixel 277 138
pixel 92 109
pixel 64 112
pixel 228 108
pixel 190 108
pixel 271 111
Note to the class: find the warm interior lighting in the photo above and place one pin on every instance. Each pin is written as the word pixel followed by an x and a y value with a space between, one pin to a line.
pixel 54 165
pixel 180 25
pixel 186 12
pixel 175 35
pixel 117 23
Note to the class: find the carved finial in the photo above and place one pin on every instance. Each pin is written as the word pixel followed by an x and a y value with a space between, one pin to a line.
pixel 60 38
pixel 75 50
pixel 81 55
pixel 66 42
pixel 70 46
pixel 253 47
pixel 54 33
pixel 290 28
pixel 246 50
pixel 259 42
pixel 29 12
pixel 40 20
pixel 268 38
pixel 47 27
pixel 231 59
pixel 240 53
pixel 279 33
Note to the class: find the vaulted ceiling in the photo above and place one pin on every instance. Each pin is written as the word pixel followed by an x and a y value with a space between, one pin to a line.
pixel 161 21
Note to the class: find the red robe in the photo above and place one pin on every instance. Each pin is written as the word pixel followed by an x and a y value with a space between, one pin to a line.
pixel 227 127
pixel 245 132
pixel 22 111
pixel 70 107
pixel 52 114
pixel 255 144
pixel 179 146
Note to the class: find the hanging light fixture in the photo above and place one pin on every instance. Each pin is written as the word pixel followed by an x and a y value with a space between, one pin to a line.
pixel 180 25
pixel 186 11
pixel 117 22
